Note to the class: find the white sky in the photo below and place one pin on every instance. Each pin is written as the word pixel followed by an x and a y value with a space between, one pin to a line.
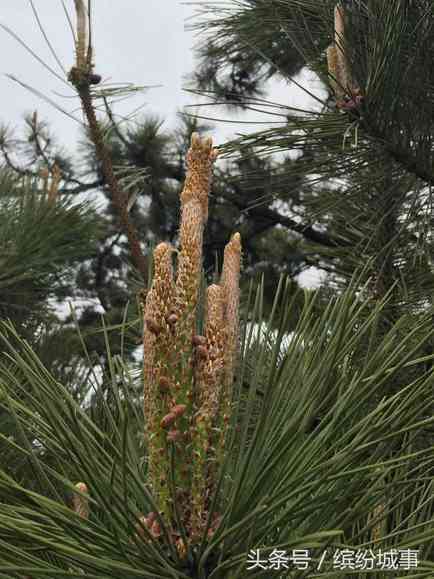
pixel 143 42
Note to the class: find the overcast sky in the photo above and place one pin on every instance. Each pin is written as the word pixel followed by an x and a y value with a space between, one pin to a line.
pixel 144 42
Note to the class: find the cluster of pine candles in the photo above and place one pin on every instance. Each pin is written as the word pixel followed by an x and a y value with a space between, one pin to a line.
pixel 188 376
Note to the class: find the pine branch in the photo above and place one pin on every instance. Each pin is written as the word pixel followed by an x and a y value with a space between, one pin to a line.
pixel 275 218
pixel 406 161
pixel 81 79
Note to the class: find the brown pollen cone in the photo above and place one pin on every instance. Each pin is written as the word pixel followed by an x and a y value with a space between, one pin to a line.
pixel 209 380
pixel 209 371
pixel 200 159
pixel 157 351
pixel 194 214
pixel 231 288
pixel 157 308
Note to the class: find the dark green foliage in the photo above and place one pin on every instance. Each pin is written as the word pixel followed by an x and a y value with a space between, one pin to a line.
pixel 239 55
pixel 41 243
pixel 285 485
pixel 367 169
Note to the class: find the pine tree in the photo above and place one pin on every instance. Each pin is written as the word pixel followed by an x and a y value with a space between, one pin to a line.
pixel 317 455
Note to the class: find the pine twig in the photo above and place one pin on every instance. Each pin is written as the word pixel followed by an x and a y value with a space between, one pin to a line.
pixel 81 79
